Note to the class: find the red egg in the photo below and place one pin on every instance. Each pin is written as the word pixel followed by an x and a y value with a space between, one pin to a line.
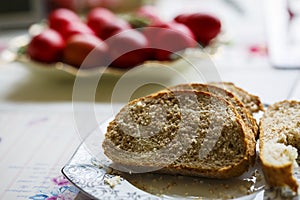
pixel 128 49
pixel 85 51
pixel 105 23
pixel 169 38
pixel 46 47
pixel 205 27
pixel 60 18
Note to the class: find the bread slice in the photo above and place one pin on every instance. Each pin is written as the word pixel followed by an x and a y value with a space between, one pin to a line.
pixel 231 98
pixel 252 102
pixel 181 132
pixel 279 141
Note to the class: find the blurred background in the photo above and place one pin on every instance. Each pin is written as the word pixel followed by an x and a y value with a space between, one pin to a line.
pixel 257 49
pixel 242 47
pixel 22 13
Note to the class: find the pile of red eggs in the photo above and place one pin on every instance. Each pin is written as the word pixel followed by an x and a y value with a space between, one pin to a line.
pixel 103 38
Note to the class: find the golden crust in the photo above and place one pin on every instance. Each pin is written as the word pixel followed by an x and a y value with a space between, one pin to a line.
pixel 279 176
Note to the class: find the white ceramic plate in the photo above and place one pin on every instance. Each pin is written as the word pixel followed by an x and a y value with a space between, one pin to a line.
pixel 89 170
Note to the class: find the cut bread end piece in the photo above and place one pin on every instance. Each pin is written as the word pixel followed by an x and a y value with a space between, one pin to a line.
pixel 279 143
pixel 252 102
pixel 184 132
pixel 278 165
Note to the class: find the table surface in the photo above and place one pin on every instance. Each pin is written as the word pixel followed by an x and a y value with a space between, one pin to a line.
pixel 42 121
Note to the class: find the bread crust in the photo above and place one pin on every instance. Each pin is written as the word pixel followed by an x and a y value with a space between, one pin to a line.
pixel 252 102
pixel 279 176
pixel 225 172
pixel 276 175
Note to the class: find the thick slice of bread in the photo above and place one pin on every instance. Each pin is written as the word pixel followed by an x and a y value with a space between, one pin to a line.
pixel 180 132
pixel 230 97
pixel 279 141
pixel 252 102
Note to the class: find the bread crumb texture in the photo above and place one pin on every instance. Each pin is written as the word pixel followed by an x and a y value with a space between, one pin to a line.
pixel 245 114
pixel 280 143
pixel 181 132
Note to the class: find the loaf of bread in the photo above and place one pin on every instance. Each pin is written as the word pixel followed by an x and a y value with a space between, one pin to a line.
pixel 231 98
pixel 180 132
pixel 252 102
pixel 279 141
